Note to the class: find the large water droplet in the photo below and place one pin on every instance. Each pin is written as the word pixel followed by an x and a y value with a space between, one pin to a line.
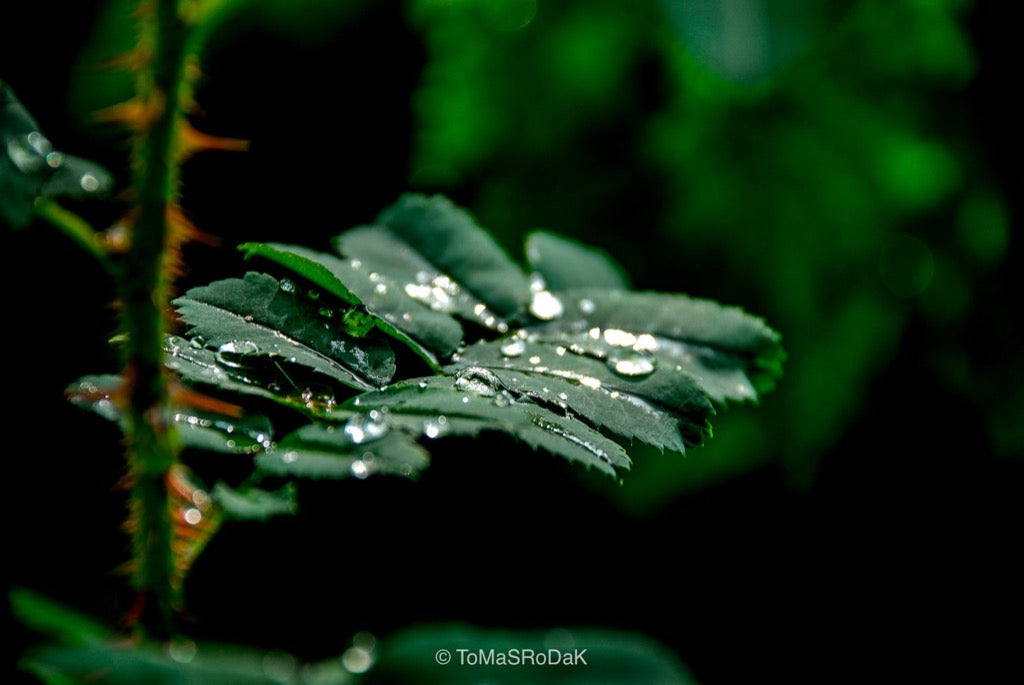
pixel 478 380
pixel 232 352
pixel 632 365
pixel 357 660
pixel 182 650
pixel 546 306
pixel 89 183
pixel 619 337
pixel 359 469
pixel 435 428
pixel 646 342
pixel 513 348
pixel 366 427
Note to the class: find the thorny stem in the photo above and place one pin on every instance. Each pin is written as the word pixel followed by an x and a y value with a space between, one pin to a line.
pixel 144 292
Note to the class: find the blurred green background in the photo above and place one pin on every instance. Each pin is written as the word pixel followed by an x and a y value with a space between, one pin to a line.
pixel 841 167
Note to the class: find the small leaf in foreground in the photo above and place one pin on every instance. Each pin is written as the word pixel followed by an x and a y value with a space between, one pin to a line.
pixel 259 316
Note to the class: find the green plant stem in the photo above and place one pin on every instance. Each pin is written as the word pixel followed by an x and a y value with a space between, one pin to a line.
pixel 76 228
pixel 145 292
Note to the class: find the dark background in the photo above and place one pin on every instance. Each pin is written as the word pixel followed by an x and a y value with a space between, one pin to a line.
pixel 886 549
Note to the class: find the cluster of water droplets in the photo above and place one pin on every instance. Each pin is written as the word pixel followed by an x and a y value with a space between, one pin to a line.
pixel 625 353
pixel 443 294
pixel 33 153
pixel 281 667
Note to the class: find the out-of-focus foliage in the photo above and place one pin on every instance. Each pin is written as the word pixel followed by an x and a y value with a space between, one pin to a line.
pixel 30 167
pixel 83 651
pixel 799 156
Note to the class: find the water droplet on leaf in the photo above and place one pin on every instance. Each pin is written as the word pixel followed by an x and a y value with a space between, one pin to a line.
pixel 232 352
pixel 632 365
pixel 546 306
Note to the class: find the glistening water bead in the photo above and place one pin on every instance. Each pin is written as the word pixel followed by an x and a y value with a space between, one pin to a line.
pixel 632 365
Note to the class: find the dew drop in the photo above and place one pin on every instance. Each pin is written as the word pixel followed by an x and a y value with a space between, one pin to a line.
pixel 546 306
pixel 645 342
pixel 193 516
pixel 54 159
pixel 182 650
pixel 586 306
pixel 313 294
pixel 417 292
pixel 632 365
pixel 381 289
pixel 435 428
pixel 287 285
pixel 513 348
pixel 359 469
pixel 290 457
pixel 38 142
pixel 619 337
pixel 535 359
pixel 231 353
pixel 326 312
pixel 364 428
pixel 89 183
pixel 357 660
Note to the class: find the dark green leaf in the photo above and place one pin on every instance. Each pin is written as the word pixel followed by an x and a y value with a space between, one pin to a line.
pixel 256 316
pixel 466 405
pixel 665 385
pixel 708 340
pixel 363 446
pixel 200 429
pixel 620 412
pixel 566 264
pixel 250 503
pixel 439 256
pixel 58 622
pixel 429 333
pixel 181 662
pixel 30 167
pixel 196 364
pixel 420 655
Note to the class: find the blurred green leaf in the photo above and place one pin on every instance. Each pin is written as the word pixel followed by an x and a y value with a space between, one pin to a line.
pixel 55 620
pixel 565 264
pixel 251 503
pixel 439 654
pixel 31 168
